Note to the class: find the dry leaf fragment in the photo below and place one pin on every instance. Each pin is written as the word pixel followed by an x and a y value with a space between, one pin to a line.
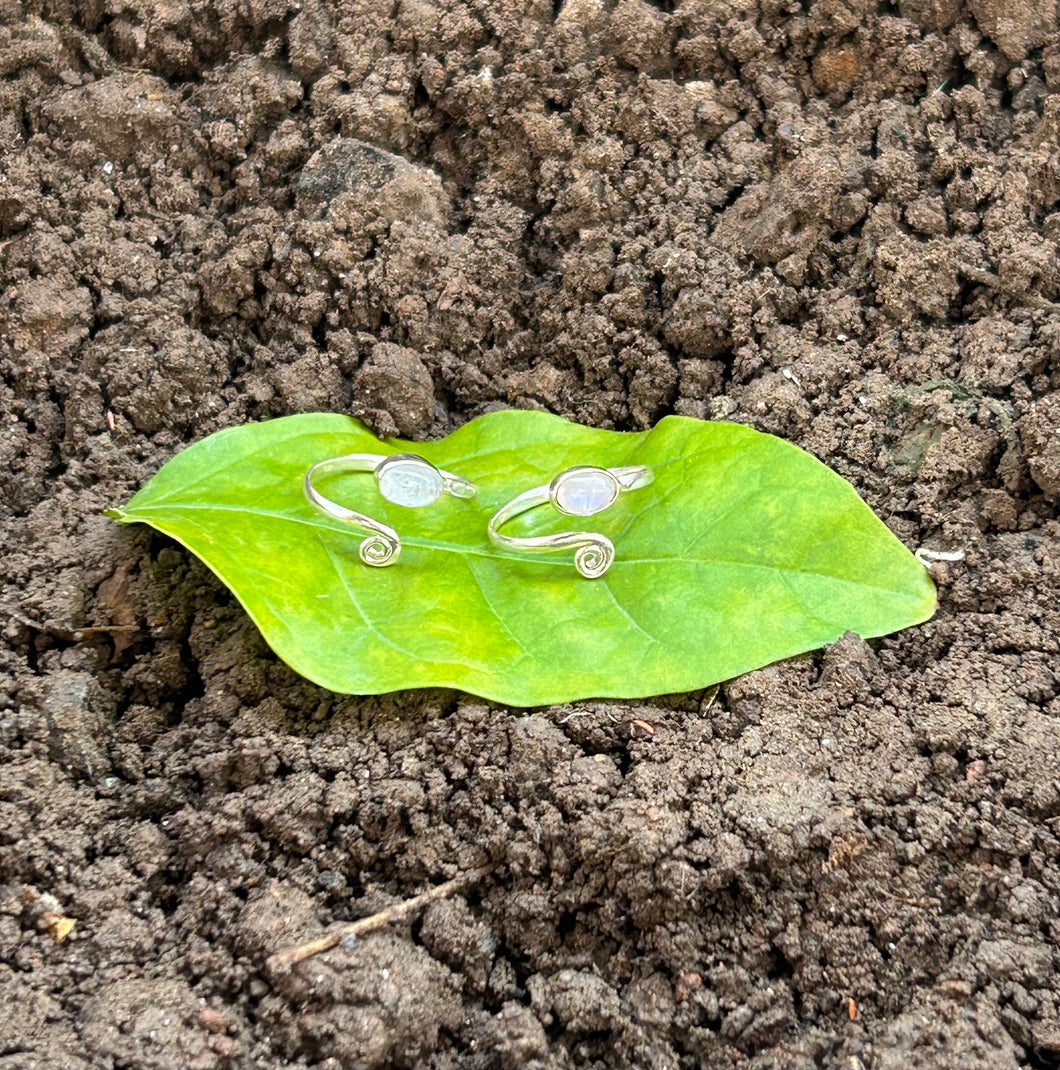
pixel 59 925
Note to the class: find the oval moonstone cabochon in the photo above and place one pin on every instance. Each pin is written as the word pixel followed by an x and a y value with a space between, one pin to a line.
pixel 406 479
pixel 583 491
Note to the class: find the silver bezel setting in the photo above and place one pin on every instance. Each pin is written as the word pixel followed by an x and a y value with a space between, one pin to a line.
pixel 555 488
pixel 398 463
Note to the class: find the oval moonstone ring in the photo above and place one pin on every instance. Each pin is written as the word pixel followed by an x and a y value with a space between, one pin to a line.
pixel 405 479
pixel 583 491
pixel 579 491
pixel 409 480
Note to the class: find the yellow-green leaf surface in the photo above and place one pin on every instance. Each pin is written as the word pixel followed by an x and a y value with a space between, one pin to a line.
pixel 744 550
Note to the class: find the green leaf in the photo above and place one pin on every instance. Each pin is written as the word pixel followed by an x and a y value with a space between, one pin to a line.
pixel 744 550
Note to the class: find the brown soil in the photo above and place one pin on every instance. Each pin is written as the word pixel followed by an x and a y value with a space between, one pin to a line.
pixel 835 221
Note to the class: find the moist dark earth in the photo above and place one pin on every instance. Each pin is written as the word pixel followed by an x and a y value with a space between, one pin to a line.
pixel 836 221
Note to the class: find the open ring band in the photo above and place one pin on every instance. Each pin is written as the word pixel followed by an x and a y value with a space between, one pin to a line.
pixel 402 478
pixel 579 491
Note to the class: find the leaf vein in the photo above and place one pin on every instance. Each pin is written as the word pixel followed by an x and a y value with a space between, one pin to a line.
pixel 500 620
pixel 629 616
pixel 356 603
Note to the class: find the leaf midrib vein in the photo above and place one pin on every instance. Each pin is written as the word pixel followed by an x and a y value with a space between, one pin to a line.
pixel 462 548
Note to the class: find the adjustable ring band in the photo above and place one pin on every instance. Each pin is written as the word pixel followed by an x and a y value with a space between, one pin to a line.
pixel 402 478
pixel 579 491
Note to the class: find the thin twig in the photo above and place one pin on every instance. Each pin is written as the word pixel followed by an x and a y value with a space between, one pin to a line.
pixel 709 699
pixel 395 912
pixel 995 282
pixel 922 903
pixel 69 635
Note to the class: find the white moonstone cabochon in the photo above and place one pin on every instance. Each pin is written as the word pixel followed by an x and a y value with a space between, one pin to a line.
pixel 409 481
pixel 584 491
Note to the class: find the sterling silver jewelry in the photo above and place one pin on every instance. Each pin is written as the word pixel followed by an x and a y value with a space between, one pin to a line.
pixel 402 478
pixel 579 491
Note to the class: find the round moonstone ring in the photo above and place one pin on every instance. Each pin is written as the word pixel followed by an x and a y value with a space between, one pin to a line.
pixel 402 478
pixel 579 491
